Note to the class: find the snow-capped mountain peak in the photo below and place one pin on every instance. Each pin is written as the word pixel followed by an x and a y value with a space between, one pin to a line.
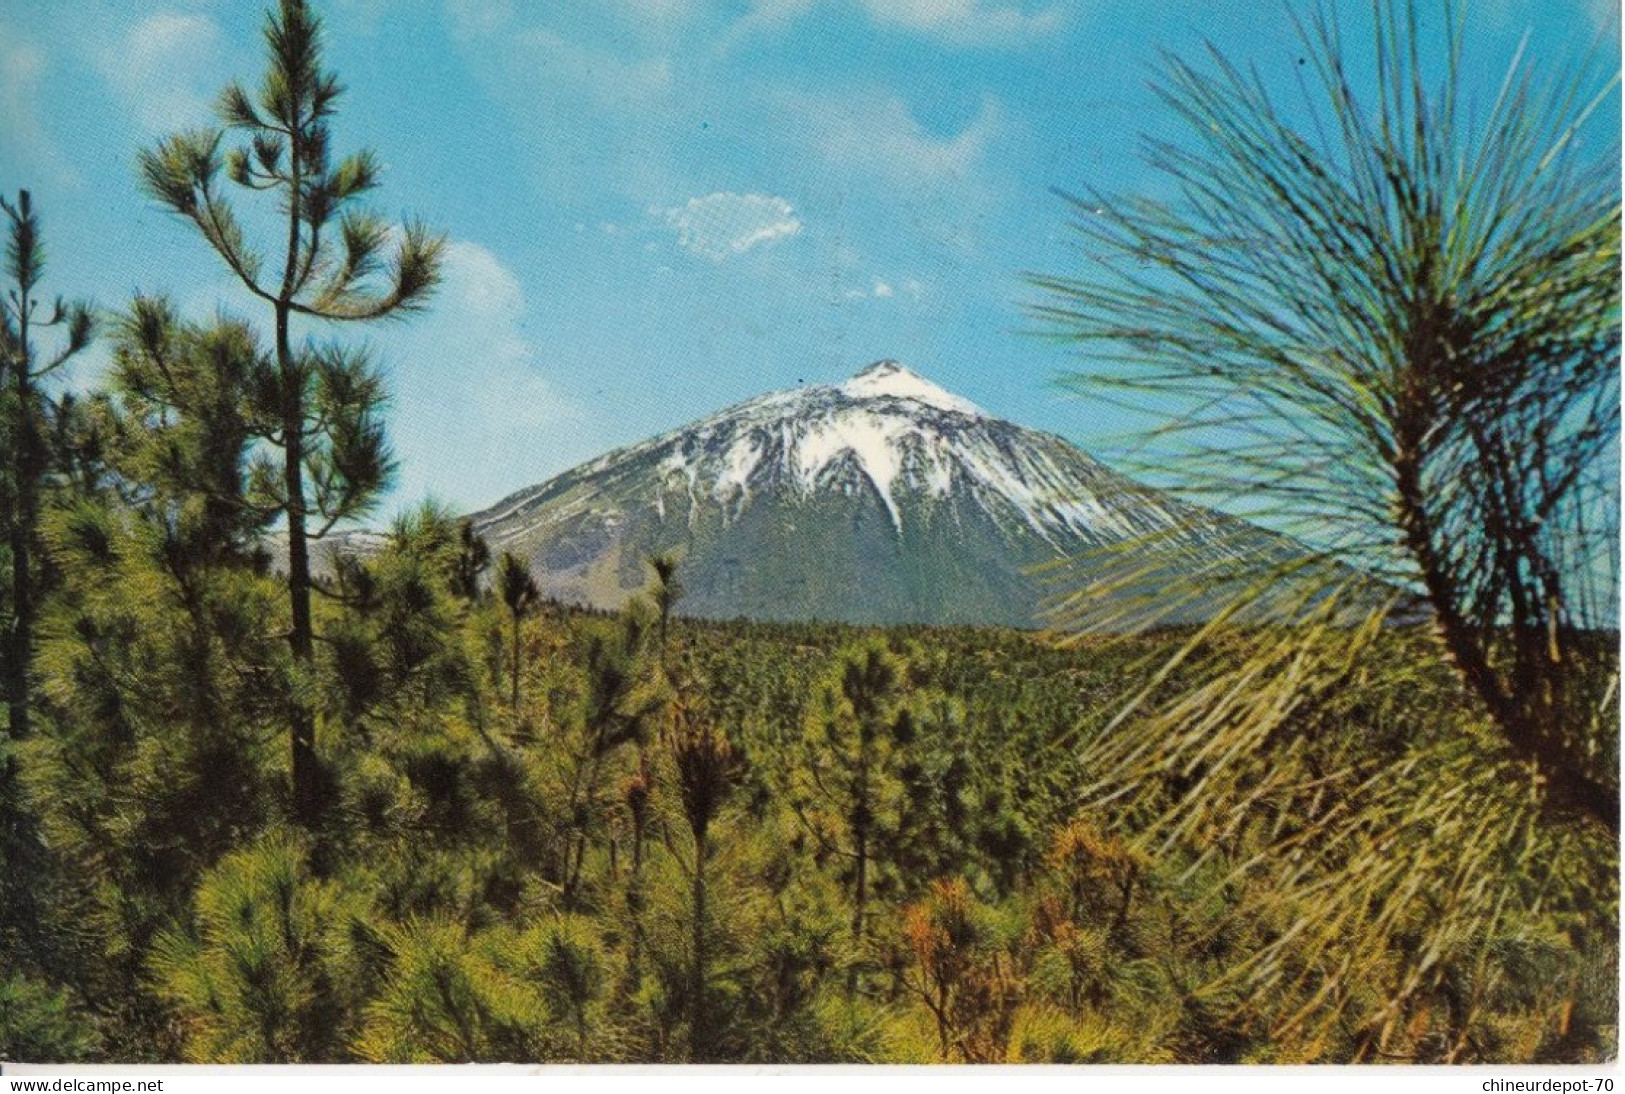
pixel 887 433
pixel 894 434
pixel 888 378
pixel 879 498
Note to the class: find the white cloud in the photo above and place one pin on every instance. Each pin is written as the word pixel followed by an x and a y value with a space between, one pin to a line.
pixel 609 80
pixel 656 20
pixel 723 224
pixel 964 22
pixel 535 58
pixel 22 64
pixel 954 22
pixel 479 286
pixel 877 135
pixel 663 10
pixel 881 290
pixel 475 17
pixel 764 17
pixel 158 70
pixel 475 415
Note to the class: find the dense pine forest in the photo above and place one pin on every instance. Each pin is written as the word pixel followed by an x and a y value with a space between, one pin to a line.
pixel 652 839
pixel 265 801
pixel 552 835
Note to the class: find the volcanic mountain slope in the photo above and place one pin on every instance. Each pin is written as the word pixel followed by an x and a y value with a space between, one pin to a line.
pixel 884 499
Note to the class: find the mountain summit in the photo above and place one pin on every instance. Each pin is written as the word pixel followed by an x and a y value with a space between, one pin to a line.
pixel 883 499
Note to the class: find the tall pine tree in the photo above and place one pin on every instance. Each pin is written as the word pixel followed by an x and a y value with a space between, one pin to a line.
pixel 337 262
pixel 23 432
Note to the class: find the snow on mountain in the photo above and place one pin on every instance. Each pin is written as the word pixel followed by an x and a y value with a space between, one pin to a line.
pixel 890 379
pixel 887 429
pixel 880 499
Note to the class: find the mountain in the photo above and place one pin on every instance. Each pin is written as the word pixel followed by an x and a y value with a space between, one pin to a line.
pixel 883 499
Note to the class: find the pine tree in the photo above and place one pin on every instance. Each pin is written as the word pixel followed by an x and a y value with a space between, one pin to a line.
pixel 21 371
pixel 1393 328
pixel 472 560
pixel 849 765
pixel 254 977
pixel 706 766
pixel 161 657
pixel 322 401
pixel 520 595
pixel 623 695
pixel 667 592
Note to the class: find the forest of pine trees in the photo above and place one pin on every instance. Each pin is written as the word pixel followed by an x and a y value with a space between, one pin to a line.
pixel 401 808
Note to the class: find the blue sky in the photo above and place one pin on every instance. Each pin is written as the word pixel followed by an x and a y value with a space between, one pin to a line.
pixel 660 207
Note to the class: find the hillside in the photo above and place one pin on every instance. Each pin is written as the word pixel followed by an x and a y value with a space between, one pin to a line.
pixel 884 499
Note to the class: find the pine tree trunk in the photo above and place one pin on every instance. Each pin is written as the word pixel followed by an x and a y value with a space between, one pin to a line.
pixel 301 636
pixel 516 663
pixel 574 860
pixel 862 898
pixel 634 907
pixel 860 841
pixel 862 818
pixel 1568 784
pixel 698 1035
pixel 25 514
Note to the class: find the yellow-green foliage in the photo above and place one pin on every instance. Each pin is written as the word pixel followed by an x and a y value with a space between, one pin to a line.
pixel 454 996
pixel 258 973
pixel 653 857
